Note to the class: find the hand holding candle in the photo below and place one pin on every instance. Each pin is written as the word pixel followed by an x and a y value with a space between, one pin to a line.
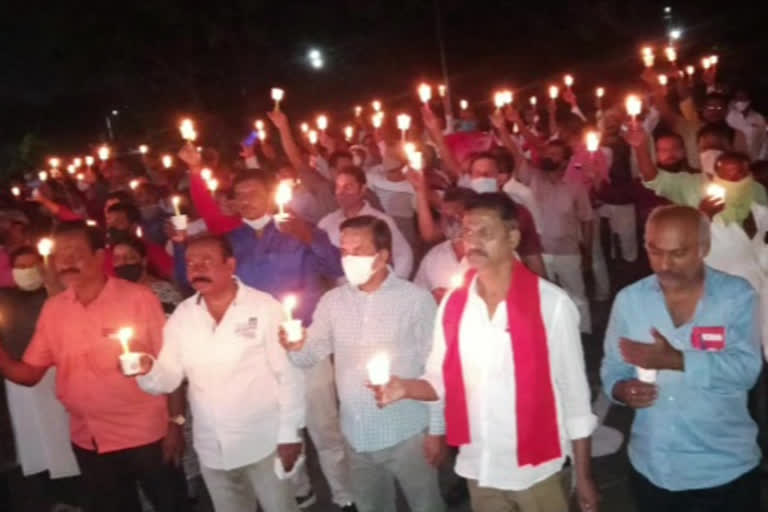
pixel 277 97
pixel 378 370
pixel 283 196
pixel 45 247
pixel 716 191
pixel 130 362
pixel 292 327
pixel 634 106
pixel 592 141
pixel 403 123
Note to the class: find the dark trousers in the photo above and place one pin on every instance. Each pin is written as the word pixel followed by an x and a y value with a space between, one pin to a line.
pixel 110 480
pixel 742 494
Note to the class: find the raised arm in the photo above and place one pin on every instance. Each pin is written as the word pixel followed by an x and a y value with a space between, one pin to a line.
pixel 292 151
pixel 638 139
pixel 432 123
pixel 428 228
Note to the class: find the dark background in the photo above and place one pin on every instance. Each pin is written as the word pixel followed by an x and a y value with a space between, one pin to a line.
pixel 67 65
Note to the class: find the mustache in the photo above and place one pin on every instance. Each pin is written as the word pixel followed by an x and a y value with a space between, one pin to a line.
pixel 201 279
pixel 69 270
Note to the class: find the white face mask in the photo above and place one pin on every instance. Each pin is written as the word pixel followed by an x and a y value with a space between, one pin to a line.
pixel 484 185
pixel 28 279
pixel 708 159
pixel 260 223
pixel 741 106
pixel 357 269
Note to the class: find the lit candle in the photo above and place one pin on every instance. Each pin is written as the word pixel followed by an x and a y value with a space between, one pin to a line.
pixel 671 53
pixel 312 135
pixel 376 104
pixel 403 123
pixel 71 169
pixel 277 97
pixel 714 59
pixel 16 191
pixel 409 148
pixel 187 129
pixel 45 247
pixel 690 70
pixel 533 100
pixel 600 92
pixel 416 161
pixel 593 141
pixel 206 174
pixel 104 153
pixel 716 191
pixel 262 135
pixel 358 111
pixel 554 92
pixel 457 280
pixel 349 132
pixel 43 176
pixel 322 123
pixel 283 196
pixel 176 200
pixel 213 184
pixel 706 63
pixel 463 104
pixel 134 184
pixel 663 80
pixel 441 90
pixel 499 99
pixel 91 223
pixel 508 97
pixel 568 81
pixel 377 119
pixel 648 60
pixel 80 176
pixel 139 232
pixel 259 124
pixel 78 162
pixel 89 160
pixel 425 93
pixel 634 106
pixel 305 128
pixel 54 162
pixel 647 51
pixel 143 149
pixel 378 370
pixel 167 161
pixel 124 335
pixel 291 326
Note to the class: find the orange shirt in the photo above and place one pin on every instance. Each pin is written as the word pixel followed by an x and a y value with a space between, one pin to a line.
pixel 108 411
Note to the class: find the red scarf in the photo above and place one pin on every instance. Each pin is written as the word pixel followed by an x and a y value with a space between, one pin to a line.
pixel 538 436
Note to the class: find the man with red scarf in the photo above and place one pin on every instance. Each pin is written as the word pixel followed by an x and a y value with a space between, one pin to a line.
pixel 507 362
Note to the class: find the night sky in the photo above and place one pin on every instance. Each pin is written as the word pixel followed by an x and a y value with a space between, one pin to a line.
pixel 65 68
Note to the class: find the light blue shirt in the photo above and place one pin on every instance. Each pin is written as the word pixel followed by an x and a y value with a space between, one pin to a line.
pixel 698 434
pixel 396 320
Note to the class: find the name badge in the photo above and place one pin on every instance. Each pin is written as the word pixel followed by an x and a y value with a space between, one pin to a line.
pixel 247 329
pixel 711 339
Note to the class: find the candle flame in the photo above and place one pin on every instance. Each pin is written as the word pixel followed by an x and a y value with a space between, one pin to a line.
pixel 376 104
pixel 322 123
pixel 378 370
pixel 663 80
pixel 277 94
pixel 593 141
pixel 403 122
pixel 441 90
pixel 634 105
pixel 690 70
pixel 716 191
pixel 425 93
pixel 16 191
pixel 104 152
pixel 463 104
pixel 312 137
pixel 568 80
pixel 358 110
pixel 600 92
pixel 167 161
pixel 284 193
pixel 213 184
pixel 259 124
pixel 554 92
pixel 187 129
pixel 43 176
pixel 349 132
pixel 54 162
pixel 143 149
pixel 89 160
pixel 134 184
pixel 45 247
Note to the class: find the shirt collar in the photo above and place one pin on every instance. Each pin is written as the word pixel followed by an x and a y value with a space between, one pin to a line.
pixel 235 301
pixel 109 285
pixel 388 282
pixel 709 285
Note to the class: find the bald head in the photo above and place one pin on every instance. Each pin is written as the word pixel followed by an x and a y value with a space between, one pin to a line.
pixel 677 240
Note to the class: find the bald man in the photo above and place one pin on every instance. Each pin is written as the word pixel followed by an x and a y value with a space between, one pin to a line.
pixel 682 348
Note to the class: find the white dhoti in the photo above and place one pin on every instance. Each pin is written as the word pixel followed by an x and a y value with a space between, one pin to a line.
pixel 41 428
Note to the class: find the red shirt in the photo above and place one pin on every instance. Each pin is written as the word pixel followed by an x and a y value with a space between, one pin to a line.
pixel 108 411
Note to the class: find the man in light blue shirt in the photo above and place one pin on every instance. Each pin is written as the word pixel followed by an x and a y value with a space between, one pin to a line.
pixel 683 348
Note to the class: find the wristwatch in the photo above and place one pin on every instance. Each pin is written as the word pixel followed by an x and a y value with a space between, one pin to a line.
pixel 179 420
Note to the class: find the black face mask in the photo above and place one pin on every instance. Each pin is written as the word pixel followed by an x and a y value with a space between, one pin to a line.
pixel 547 164
pixel 131 272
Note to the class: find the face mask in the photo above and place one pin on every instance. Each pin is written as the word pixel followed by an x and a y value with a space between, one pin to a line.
pixel 484 185
pixel 741 106
pixel 130 272
pixel 357 269
pixel 738 198
pixel 28 279
pixel 452 229
pixel 708 159
pixel 260 223
pixel 547 164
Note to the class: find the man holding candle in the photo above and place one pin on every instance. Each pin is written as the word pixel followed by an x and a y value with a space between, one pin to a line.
pixel 507 363
pixel 693 443
pixel 246 397
pixel 378 315
pixel 117 431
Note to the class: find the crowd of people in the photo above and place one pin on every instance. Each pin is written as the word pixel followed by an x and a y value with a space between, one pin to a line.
pixel 415 298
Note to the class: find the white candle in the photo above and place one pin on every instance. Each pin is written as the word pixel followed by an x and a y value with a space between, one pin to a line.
pixel 187 129
pixel 690 70
pixel 403 123
pixel 322 123
pixel 377 119
pixel 706 63
pixel 283 196
pixel 134 184
pixel 714 59
pixel 554 92
pixel 71 169
pixel 289 304
pixel 176 200
pixel 716 191
pixel 508 96
pixel 259 124
pixel 648 60
pixel 425 93
pixel 533 100
pixel 634 106
pixel 104 153
pixel 671 53
pixel 206 174
pixel 16 191
pixel 45 247
pixel 349 132
pixel 54 162
pixel 305 128
pixel 213 184
pixel 378 370
pixel 43 176
pixel 139 232
pixel 416 161
pixel 277 97
pixel 499 100
pixel 78 162
pixel 124 335
pixel 291 326
pixel 312 135
pixel 441 90
pixel 600 92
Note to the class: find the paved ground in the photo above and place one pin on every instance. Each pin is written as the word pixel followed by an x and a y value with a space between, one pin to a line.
pixel 25 495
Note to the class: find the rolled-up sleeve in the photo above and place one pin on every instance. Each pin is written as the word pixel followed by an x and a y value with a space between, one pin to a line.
pixel 167 371
pixel 570 371
pixel 738 365
pixel 613 368
pixel 319 343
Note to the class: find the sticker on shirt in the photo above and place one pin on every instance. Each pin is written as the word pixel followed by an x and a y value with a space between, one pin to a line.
pixel 247 329
pixel 711 339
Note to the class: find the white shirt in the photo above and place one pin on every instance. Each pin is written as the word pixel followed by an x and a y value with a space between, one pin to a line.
pixel 522 194
pixel 397 197
pixel 753 126
pixel 245 395
pixel 733 252
pixel 439 266
pixel 402 256
pixel 489 378
pixel 195 227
